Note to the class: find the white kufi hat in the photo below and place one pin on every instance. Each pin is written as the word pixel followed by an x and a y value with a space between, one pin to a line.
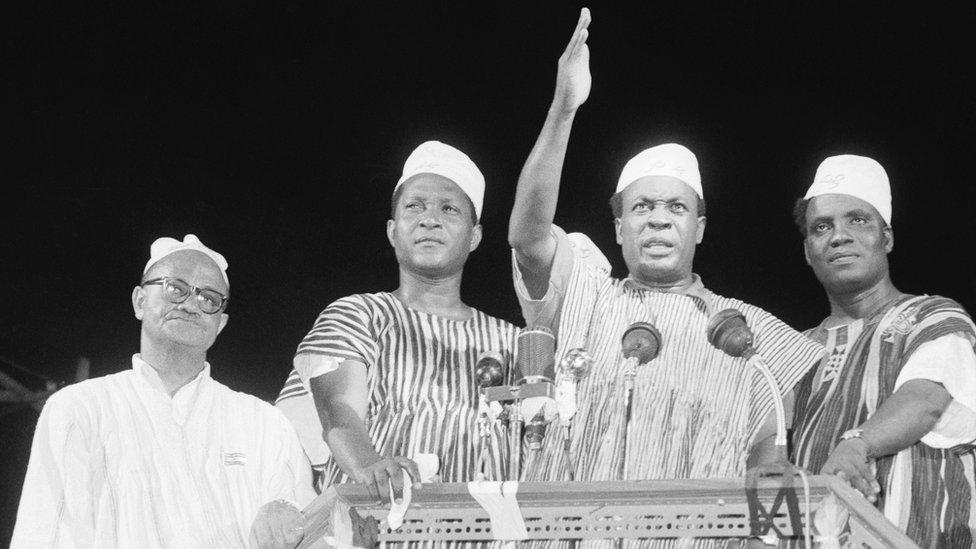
pixel 668 159
pixel 165 246
pixel 857 176
pixel 444 160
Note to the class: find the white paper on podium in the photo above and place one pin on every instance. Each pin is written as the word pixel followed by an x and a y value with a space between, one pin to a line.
pixel 428 464
pixel 498 500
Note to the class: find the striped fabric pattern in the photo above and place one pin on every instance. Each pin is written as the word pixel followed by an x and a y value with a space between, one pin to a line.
pixel 928 492
pixel 420 375
pixel 696 410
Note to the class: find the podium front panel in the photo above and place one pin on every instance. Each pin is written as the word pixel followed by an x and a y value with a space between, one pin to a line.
pixel 626 509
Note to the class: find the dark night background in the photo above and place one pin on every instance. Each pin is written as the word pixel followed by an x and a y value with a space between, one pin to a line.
pixel 276 133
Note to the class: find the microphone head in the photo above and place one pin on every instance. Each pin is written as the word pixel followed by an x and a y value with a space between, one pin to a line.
pixel 641 340
pixel 728 332
pixel 575 364
pixel 535 431
pixel 488 371
pixel 536 355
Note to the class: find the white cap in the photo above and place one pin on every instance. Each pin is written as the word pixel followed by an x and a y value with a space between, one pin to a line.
pixel 668 159
pixel 444 160
pixel 165 246
pixel 857 176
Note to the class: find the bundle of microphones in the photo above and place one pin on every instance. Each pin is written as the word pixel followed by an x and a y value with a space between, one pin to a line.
pixel 544 392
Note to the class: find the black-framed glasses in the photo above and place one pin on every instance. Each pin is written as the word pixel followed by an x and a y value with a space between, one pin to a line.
pixel 176 290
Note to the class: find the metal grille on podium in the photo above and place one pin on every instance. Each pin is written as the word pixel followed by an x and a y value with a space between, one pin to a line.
pixel 622 509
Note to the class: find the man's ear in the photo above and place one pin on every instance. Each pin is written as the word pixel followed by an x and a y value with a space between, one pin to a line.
pixel 391 231
pixel 138 300
pixel 889 236
pixel 223 322
pixel 700 232
pixel 616 228
pixel 475 237
pixel 806 252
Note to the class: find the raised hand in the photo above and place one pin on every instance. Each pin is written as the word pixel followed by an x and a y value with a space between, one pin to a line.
pixel 381 475
pixel 573 78
pixel 849 461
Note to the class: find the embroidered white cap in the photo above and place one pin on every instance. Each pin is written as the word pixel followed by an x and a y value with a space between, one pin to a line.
pixel 857 176
pixel 444 160
pixel 165 246
pixel 669 159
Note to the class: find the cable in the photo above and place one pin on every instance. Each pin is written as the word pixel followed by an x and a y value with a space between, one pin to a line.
pixel 807 536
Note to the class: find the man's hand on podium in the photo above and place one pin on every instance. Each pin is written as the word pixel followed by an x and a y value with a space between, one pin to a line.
pixel 379 477
pixel 851 462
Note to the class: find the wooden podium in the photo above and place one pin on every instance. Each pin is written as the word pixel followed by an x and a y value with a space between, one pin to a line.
pixel 613 509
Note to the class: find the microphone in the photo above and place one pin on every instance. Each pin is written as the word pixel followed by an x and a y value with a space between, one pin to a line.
pixel 536 355
pixel 641 340
pixel 488 371
pixel 574 366
pixel 536 365
pixel 640 344
pixel 728 332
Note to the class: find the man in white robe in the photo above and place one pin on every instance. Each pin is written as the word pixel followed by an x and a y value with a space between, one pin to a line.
pixel 162 455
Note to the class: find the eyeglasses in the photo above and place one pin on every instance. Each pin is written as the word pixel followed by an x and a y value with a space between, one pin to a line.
pixel 176 290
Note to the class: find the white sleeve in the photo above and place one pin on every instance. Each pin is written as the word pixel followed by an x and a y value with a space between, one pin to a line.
pixel 56 505
pixel 310 366
pixel 291 477
pixel 950 361
pixel 571 248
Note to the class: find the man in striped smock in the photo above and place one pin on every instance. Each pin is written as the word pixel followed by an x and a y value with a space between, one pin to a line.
pixel 696 412
pixel 892 406
pixel 386 376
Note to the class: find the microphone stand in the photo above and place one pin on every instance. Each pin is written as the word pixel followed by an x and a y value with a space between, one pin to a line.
pixel 485 460
pixel 488 373
pixel 630 372
pixel 728 332
pixel 515 423
pixel 640 344
pixel 753 359
pixel 763 522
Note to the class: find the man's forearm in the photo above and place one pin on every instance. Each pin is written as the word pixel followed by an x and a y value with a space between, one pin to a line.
pixel 538 186
pixel 905 417
pixel 349 441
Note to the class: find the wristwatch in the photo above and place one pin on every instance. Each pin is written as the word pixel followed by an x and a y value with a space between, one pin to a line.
pixel 859 433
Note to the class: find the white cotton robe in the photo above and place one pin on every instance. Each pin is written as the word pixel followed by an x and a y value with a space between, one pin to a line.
pixel 117 462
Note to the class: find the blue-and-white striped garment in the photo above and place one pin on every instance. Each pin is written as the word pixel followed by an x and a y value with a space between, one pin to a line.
pixel 420 375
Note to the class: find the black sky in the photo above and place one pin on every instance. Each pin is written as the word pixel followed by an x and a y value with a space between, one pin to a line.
pixel 275 132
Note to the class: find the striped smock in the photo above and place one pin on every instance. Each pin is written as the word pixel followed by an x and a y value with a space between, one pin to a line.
pixel 927 490
pixel 696 411
pixel 420 376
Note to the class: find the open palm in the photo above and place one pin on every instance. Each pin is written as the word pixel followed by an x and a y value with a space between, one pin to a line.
pixel 573 78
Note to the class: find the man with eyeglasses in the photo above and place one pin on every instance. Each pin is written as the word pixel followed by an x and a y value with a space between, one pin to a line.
pixel 162 455
pixel 383 377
